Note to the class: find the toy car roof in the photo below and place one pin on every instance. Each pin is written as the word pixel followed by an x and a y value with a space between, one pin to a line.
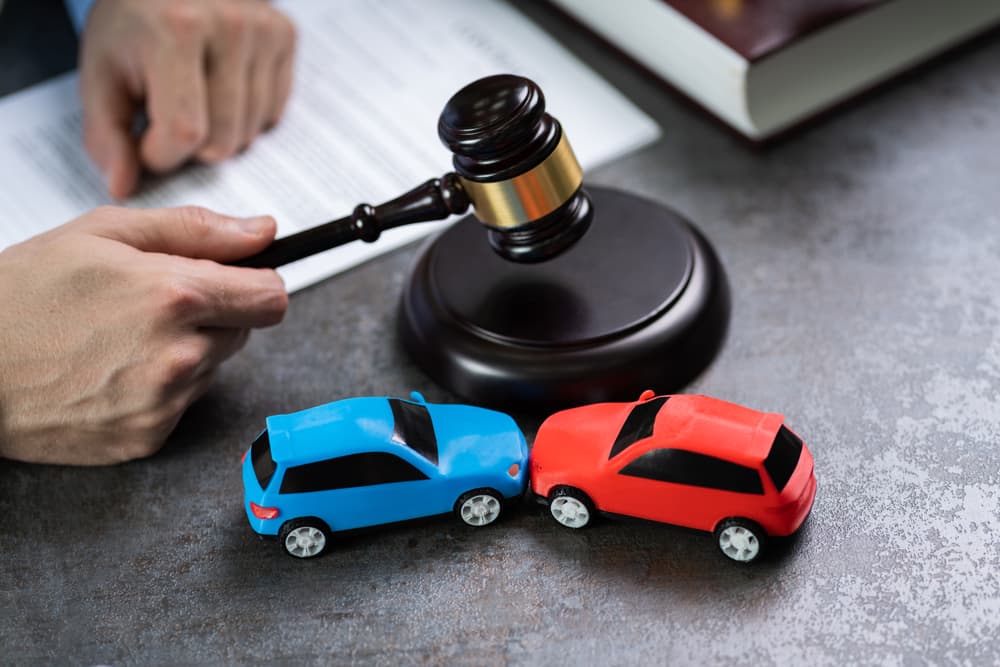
pixel 691 422
pixel 718 428
pixel 359 424
pixel 364 424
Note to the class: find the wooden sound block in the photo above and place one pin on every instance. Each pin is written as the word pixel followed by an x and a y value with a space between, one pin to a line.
pixel 640 302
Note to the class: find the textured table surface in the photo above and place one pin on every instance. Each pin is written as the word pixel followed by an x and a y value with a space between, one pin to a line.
pixel 863 255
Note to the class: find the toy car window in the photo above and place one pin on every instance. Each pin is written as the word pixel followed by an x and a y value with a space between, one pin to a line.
pixel 260 457
pixel 345 472
pixel 783 457
pixel 684 467
pixel 638 425
pixel 413 427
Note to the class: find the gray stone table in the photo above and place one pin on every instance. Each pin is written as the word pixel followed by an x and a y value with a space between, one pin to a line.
pixel 864 255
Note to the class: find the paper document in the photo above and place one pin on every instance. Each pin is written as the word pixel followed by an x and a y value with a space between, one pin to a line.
pixel 371 80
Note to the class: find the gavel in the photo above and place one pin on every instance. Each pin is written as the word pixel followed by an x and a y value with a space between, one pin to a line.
pixel 641 300
pixel 513 166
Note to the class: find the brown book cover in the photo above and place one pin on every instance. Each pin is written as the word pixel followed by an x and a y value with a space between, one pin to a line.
pixel 764 67
pixel 757 28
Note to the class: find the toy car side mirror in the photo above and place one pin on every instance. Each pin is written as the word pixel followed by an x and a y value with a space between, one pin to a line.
pixel 646 395
pixel 417 397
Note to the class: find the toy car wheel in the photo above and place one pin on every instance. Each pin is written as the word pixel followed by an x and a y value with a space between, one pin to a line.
pixel 304 538
pixel 480 507
pixel 571 507
pixel 740 540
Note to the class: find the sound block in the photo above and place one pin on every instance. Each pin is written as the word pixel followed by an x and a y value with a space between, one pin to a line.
pixel 640 302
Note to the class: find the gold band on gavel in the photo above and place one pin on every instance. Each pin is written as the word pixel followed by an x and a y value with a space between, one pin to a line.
pixel 531 195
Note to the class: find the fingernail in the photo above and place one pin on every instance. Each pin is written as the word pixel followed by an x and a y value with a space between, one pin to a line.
pixel 211 154
pixel 255 226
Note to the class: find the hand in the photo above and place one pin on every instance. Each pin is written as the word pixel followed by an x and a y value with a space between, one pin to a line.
pixel 115 322
pixel 212 75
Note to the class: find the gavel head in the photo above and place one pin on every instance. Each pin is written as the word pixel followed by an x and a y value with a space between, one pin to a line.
pixel 516 167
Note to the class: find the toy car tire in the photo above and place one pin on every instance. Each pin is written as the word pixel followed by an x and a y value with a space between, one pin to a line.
pixel 571 507
pixel 740 540
pixel 304 538
pixel 479 507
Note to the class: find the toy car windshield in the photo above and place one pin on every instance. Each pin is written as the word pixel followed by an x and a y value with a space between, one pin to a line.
pixel 412 428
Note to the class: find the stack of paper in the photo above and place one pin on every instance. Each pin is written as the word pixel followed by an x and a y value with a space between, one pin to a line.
pixel 361 126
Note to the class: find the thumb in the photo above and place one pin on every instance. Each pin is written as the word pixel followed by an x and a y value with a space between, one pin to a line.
pixel 108 114
pixel 188 231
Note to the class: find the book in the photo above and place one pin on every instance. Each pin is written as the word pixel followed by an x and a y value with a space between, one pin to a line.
pixel 361 126
pixel 764 66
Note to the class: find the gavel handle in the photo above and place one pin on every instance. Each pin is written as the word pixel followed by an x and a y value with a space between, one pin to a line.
pixel 434 200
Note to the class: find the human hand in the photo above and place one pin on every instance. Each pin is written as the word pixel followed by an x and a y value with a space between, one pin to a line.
pixel 115 322
pixel 212 75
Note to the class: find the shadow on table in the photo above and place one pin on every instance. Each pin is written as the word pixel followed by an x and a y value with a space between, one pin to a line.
pixel 526 543
pixel 632 550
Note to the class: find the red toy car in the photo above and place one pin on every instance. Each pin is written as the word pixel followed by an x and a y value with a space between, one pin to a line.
pixel 691 461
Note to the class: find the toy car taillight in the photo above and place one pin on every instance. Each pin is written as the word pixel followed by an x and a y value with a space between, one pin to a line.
pixel 244 457
pixel 263 512
pixel 513 470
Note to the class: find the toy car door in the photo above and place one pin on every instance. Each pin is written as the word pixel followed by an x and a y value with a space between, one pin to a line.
pixel 358 490
pixel 681 487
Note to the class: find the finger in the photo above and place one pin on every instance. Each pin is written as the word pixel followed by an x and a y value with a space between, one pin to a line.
pixel 223 343
pixel 228 74
pixel 202 350
pixel 262 73
pixel 182 399
pixel 108 111
pixel 148 436
pixel 284 72
pixel 188 231
pixel 177 103
pixel 213 295
pixel 196 390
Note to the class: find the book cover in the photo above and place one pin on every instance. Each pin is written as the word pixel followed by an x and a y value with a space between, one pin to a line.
pixel 764 67
pixel 757 28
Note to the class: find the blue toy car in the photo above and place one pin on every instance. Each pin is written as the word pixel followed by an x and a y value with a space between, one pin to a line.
pixel 369 461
